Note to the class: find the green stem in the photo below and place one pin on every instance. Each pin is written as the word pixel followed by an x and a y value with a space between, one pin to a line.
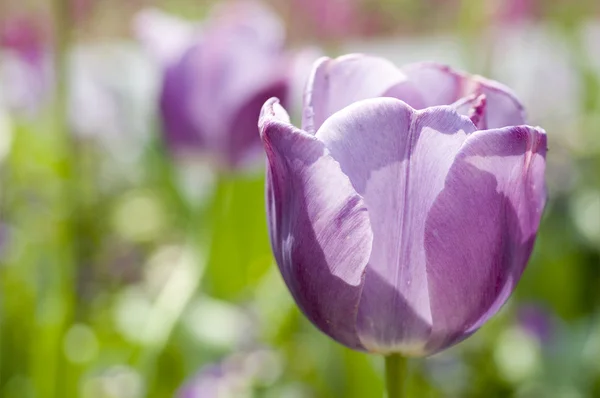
pixel 395 376
pixel 70 245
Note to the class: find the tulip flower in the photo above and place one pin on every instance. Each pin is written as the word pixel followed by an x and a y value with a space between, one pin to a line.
pixel 404 211
pixel 213 91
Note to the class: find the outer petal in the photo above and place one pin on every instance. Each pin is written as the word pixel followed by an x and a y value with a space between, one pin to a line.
pixel 319 226
pixel 440 85
pixel 503 109
pixel 481 229
pixel 337 83
pixel 397 159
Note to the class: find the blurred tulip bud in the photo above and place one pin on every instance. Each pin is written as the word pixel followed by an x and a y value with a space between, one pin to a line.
pixel 216 80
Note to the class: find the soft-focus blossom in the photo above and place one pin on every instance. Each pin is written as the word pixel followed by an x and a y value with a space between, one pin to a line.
pixel 164 37
pixel 396 229
pixel 110 85
pixel 338 20
pixel 537 321
pixel 515 11
pixel 111 90
pixel 213 90
pixel 25 64
pixel 234 376
pixel 334 19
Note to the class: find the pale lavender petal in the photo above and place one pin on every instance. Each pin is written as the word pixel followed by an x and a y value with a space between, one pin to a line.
pixel 337 83
pixel 474 107
pixel 431 84
pixel 397 159
pixel 319 226
pixel 438 84
pixel 481 229
pixel 301 68
pixel 503 109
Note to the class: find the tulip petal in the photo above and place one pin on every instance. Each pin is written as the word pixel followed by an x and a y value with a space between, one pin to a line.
pixel 431 84
pixel 397 159
pixel 473 107
pixel 176 110
pixel 319 227
pixel 337 83
pixel 438 84
pixel 480 231
pixel 503 109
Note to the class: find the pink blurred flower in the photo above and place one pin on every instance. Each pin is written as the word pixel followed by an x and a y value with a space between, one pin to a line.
pixel 516 11
pixel 25 63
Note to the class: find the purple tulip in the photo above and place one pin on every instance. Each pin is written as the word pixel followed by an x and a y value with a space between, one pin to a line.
pixel 396 229
pixel 212 94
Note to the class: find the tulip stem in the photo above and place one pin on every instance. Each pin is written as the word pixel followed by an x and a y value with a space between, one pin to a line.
pixel 395 376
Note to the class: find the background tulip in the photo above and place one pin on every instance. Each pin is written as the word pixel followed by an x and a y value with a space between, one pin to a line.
pixel 212 94
pixel 397 230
